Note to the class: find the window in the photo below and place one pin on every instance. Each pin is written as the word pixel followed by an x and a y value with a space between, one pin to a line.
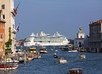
pixel 3 16
pixel 3 6
pixel 80 36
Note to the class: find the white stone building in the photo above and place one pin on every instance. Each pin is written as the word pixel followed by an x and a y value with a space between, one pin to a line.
pixel 79 41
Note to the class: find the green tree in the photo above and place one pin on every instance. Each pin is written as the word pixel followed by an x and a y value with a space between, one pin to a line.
pixel 9 43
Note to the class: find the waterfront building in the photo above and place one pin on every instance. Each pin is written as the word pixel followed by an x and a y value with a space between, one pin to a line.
pixel 7 13
pixel 95 32
pixel 79 41
pixel 2 37
pixel 86 42
pixel 19 42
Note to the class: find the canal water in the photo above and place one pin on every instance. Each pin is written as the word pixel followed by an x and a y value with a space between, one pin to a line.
pixel 47 64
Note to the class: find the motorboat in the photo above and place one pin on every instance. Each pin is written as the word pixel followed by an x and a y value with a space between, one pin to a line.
pixel 82 56
pixel 43 50
pixel 33 49
pixel 73 50
pixel 55 55
pixel 75 71
pixel 62 60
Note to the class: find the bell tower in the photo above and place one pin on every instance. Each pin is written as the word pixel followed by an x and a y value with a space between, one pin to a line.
pixel 80 34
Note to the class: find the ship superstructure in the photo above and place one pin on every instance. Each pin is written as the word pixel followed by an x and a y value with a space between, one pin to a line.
pixel 43 39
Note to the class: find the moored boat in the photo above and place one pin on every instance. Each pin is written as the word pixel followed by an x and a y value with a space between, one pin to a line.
pixel 29 58
pixel 8 66
pixel 73 50
pixel 37 55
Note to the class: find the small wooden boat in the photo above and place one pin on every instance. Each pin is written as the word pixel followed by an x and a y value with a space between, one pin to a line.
pixel 82 56
pixel 75 71
pixel 62 60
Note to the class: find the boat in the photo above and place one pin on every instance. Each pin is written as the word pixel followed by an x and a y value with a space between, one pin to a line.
pixel 62 60
pixel 66 47
pixel 33 49
pixel 43 50
pixel 8 66
pixel 82 56
pixel 75 71
pixel 37 55
pixel 30 58
pixel 55 55
pixel 73 50
pixel 43 39
pixel 9 60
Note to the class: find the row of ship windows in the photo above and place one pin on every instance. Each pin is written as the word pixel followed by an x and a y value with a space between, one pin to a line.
pixel 46 41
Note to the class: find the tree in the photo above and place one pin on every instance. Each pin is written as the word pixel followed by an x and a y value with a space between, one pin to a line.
pixel 9 43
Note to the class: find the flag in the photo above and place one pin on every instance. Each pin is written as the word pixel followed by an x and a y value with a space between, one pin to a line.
pixel 14 12
pixel 17 28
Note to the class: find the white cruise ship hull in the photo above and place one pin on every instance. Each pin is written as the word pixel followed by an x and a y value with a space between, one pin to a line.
pixel 43 39
pixel 44 44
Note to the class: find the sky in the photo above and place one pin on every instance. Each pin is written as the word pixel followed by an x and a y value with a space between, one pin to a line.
pixel 51 16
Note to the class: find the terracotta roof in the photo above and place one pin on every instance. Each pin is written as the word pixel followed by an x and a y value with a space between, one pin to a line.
pixel 96 23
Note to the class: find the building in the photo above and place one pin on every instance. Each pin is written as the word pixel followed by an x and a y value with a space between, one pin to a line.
pixel 95 32
pixel 7 13
pixel 79 41
pixel 19 42
pixel 2 38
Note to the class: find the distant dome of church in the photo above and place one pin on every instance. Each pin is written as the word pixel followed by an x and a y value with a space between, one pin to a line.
pixel 80 30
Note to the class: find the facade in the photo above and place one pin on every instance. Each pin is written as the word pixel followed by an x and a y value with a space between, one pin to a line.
pixel 7 14
pixel 86 42
pixel 79 41
pixel 95 32
pixel 2 38
pixel 19 42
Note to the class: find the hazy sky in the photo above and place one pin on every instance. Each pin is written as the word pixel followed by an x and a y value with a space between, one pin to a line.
pixel 51 16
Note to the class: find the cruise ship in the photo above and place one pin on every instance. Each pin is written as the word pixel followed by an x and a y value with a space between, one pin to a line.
pixel 43 39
